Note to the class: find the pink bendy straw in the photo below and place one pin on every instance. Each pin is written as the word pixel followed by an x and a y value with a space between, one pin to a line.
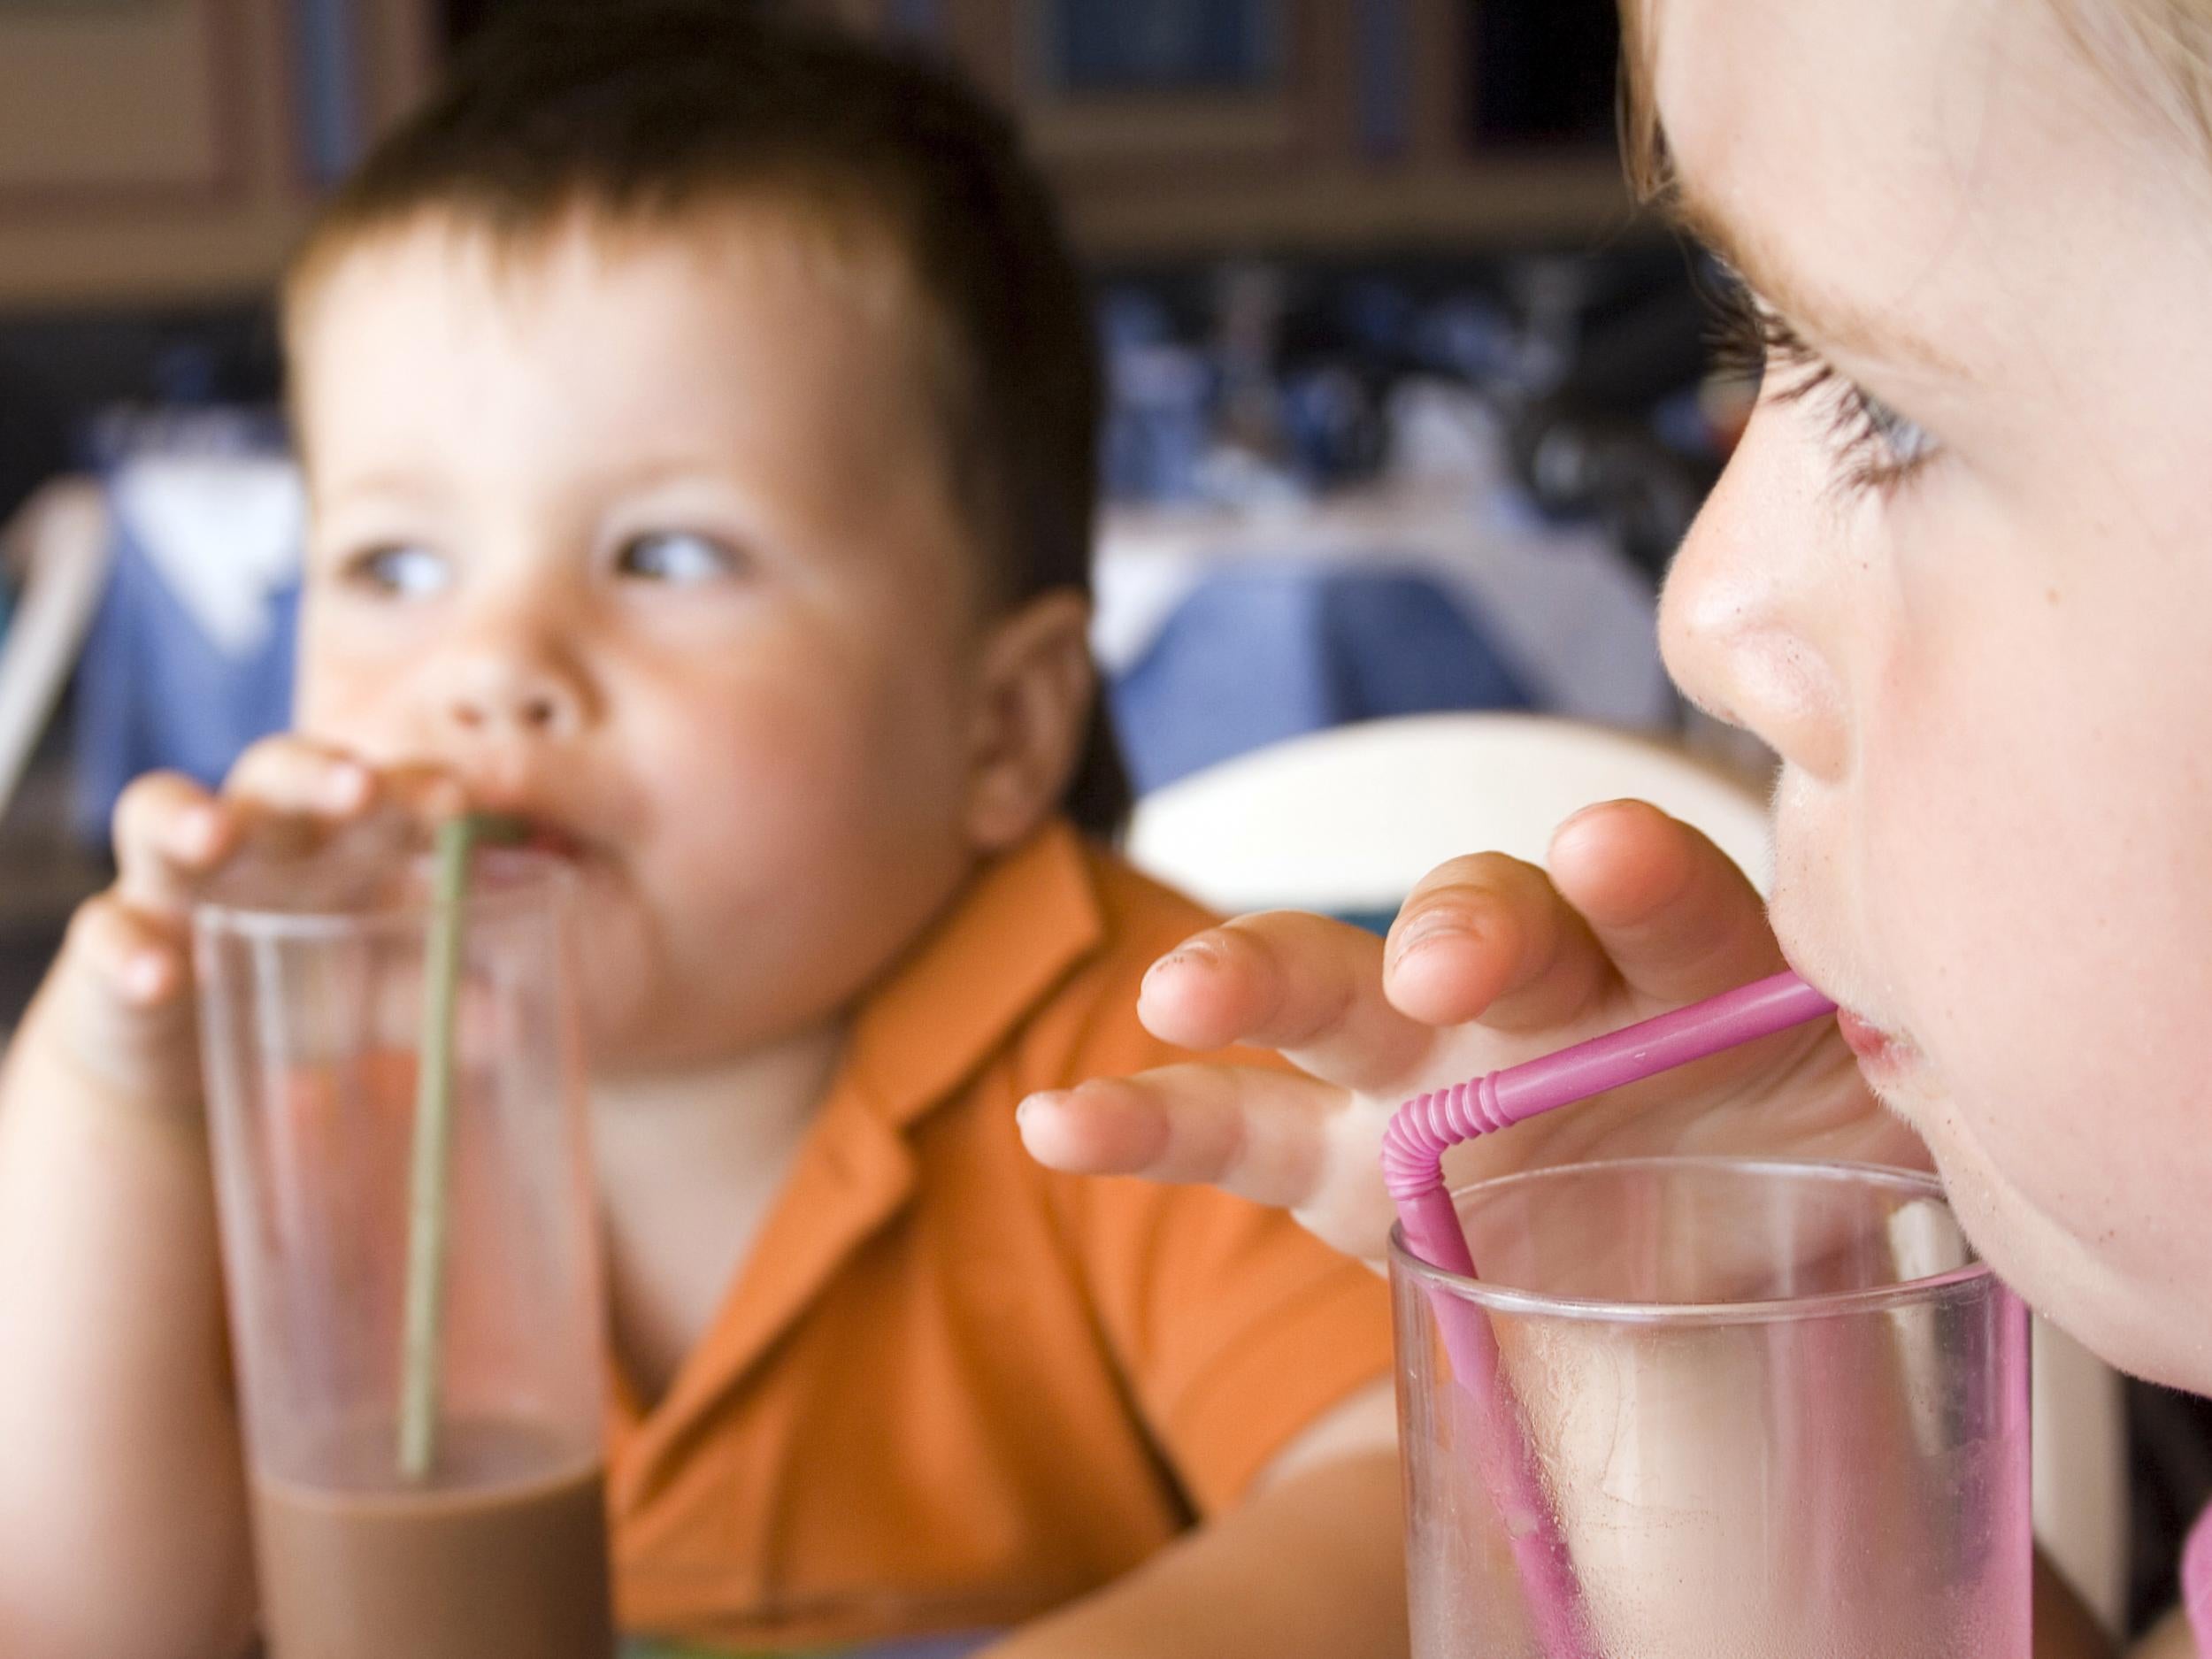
pixel 1413 1152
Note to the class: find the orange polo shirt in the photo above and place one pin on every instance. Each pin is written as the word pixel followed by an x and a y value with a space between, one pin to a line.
pixel 952 1389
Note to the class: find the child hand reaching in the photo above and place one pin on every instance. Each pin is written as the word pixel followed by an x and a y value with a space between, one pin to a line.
pixel 1490 962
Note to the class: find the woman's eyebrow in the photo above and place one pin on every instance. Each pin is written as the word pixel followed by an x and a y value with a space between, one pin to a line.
pixel 1824 318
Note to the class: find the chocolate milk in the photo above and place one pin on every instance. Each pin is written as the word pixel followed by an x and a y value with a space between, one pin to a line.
pixel 504 1557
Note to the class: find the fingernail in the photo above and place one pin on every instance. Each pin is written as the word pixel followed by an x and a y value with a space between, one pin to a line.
pixel 1190 955
pixel 200 833
pixel 1036 1103
pixel 346 786
pixel 144 976
pixel 1428 930
pixel 1588 814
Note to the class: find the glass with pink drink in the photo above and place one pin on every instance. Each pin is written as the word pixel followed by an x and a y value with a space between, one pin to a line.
pixel 1772 1408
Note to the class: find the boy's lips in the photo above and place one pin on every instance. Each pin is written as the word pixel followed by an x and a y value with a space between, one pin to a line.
pixel 539 834
pixel 555 843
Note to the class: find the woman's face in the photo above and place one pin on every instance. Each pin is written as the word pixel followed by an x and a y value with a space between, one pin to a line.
pixel 1959 576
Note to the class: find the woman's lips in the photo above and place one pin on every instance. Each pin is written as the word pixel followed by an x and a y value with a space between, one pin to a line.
pixel 1879 1051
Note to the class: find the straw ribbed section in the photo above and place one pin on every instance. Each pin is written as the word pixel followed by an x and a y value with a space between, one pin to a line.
pixel 1419 1131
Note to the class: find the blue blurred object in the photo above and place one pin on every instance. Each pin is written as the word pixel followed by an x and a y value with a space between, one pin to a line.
pixel 1266 651
pixel 1139 46
pixel 1335 430
pixel 1386 96
pixel 190 655
pixel 1159 408
pixel 1380 319
pixel 153 691
pixel 918 19
pixel 1468 336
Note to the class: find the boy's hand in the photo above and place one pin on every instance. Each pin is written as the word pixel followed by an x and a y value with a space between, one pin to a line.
pixel 110 1290
pixel 117 1004
pixel 1491 962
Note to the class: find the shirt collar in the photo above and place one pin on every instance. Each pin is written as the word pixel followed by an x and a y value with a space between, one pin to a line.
pixel 1024 923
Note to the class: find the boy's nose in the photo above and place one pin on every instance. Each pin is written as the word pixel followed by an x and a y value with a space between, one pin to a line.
pixel 490 696
pixel 1748 625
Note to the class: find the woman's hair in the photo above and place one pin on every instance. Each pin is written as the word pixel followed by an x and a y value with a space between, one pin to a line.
pixel 2162 48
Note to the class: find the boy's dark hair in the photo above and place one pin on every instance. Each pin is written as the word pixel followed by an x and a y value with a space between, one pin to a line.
pixel 642 111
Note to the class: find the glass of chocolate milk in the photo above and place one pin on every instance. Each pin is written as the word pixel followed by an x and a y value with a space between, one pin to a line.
pixel 312 1028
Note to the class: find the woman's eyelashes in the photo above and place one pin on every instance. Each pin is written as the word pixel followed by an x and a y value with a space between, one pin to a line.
pixel 1876 448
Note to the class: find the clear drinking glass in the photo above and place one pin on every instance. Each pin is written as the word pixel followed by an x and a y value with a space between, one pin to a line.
pixel 311 1011
pixel 1776 1409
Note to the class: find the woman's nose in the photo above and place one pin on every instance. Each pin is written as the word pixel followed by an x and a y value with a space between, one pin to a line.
pixel 1753 623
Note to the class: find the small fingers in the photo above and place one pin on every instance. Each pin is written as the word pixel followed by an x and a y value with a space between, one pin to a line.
pixel 1258 1134
pixel 1488 937
pixel 298 776
pixel 131 955
pixel 426 794
pixel 1675 916
pixel 295 796
pixel 169 832
pixel 1304 986
pixel 1275 1138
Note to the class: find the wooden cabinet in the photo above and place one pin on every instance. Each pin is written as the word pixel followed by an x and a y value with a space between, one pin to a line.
pixel 168 150
pixel 159 151
pixel 1342 126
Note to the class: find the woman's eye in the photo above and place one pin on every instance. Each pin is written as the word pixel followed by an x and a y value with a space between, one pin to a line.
pixel 405 572
pixel 675 556
pixel 1875 448
pixel 1908 443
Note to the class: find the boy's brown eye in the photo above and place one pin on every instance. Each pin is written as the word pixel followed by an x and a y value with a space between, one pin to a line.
pixel 406 572
pixel 676 556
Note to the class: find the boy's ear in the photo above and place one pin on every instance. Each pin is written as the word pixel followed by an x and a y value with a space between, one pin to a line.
pixel 1033 707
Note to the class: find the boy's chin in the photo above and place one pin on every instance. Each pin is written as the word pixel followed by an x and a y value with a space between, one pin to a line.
pixel 629 1037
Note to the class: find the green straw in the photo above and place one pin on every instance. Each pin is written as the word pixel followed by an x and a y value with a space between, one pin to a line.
pixel 429 1170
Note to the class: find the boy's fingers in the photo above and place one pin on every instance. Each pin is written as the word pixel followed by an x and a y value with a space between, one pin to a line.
pixel 1303 984
pixel 136 959
pixel 168 830
pixel 292 775
pixel 297 797
pixel 1678 918
pixel 427 794
pixel 1489 937
pixel 1273 1137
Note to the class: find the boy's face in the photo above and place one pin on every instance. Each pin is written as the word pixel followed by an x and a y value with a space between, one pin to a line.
pixel 648 539
pixel 1989 675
